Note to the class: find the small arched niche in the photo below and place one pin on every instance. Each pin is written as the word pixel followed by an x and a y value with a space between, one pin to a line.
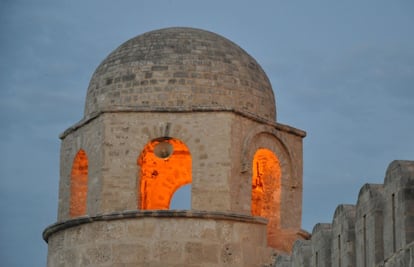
pixel 266 184
pixel 79 185
pixel 165 166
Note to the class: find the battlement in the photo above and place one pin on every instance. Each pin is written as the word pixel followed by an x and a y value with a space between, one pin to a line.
pixel 377 231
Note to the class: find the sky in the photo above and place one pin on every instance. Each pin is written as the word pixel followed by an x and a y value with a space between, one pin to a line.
pixel 343 71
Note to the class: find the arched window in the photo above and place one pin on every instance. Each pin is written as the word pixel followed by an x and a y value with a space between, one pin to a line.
pixel 165 167
pixel 265 184
pixel 79 185
pixel 181 200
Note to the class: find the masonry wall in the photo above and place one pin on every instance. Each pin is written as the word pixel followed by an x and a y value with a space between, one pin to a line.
pixel 88 138
pixel 160 238
pixel 377 231
pixel 286 143
pixel 114 141
pixel 126 134
pixel 222 146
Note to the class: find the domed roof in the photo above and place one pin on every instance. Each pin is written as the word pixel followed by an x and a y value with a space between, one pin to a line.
pixel 180 69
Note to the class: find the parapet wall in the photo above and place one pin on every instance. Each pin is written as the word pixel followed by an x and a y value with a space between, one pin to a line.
pixel 377 231
pixel 159 238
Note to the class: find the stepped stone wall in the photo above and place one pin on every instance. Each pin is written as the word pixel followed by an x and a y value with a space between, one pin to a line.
pixel 377 231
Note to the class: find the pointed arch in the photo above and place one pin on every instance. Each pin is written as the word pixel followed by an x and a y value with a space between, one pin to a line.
pixel 266 184
pixel 165 166
pixel 79 185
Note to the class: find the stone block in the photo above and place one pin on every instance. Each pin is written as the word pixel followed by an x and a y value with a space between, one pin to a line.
pixel 99 254
pixel 302 253
pixel 230 255
pixel 169 251
pixel 283 260
pixel 343 236
pixel 402 258
pixel 321 245
pixel 369 225
pixel 398 185
pixel 201 253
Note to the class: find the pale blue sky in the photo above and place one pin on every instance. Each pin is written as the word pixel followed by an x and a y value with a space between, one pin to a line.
pixel 341 70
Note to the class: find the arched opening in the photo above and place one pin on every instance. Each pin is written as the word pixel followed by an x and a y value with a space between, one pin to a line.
pixel 165 167
pixel 266 184
pixel 181 200
pixel 79 185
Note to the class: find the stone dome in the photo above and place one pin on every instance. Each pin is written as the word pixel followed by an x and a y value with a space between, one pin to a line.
pixel 180 70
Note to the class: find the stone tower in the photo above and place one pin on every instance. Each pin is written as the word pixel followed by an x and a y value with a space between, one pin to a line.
pixel 169 108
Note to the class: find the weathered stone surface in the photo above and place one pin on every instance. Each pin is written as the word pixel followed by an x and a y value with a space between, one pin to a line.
pixel 283 260
pixel 402 258
pixel 369 225
pixel 398 213
pixel 302 254
pixel 160 239
pixel 376 232
pixel 343 236
pixel 322 245
pixel 180 69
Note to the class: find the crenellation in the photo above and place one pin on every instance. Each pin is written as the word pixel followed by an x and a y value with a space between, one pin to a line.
pixel 398 227
pixel 343 236
pixel 377 231
pixel 321 245
pixel 369 225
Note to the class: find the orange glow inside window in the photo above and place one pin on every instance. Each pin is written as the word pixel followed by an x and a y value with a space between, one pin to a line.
pixel 79 185
pixel 265 183
pixel 165 167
